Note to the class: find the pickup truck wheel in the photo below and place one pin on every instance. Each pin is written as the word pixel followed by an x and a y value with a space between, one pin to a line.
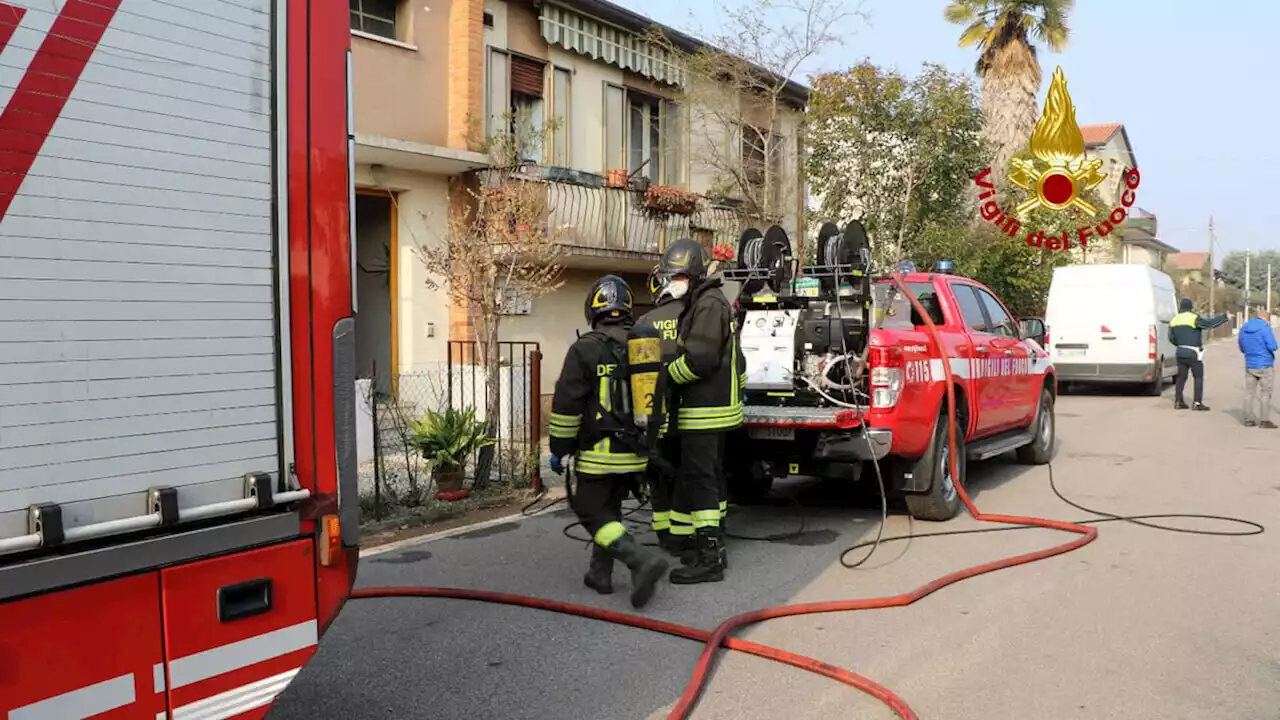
pixel 1040 450
pixel 749 483
pixel 942 502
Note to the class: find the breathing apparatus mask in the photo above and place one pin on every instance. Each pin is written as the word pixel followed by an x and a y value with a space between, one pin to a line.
pixel 677 288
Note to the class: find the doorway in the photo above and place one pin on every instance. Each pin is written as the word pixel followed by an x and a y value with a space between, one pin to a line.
pixel 375 283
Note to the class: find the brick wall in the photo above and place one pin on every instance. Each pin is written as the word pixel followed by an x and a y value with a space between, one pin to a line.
pixel 466 71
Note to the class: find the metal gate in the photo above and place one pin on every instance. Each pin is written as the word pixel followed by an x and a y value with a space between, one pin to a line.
pixel 516 454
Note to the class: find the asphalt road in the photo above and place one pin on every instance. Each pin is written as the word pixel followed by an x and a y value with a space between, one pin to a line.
pixel 1139 624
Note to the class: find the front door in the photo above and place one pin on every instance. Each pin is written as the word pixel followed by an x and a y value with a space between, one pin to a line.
pixel 1017 388
pixel 984 393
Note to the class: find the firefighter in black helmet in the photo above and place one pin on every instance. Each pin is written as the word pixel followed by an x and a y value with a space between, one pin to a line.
pixel 672 524
pixel 586 423
pixel 707 402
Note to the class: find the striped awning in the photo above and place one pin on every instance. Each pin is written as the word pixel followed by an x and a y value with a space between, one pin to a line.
pixel 607 43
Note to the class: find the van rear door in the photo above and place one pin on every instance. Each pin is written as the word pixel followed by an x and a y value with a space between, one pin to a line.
pixel 1099 321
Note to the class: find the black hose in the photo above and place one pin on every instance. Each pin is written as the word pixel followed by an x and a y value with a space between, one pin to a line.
pixel 1252 528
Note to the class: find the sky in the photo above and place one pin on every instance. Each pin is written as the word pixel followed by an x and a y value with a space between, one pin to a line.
pixel 1197 89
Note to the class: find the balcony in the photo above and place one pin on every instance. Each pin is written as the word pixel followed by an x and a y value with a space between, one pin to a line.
pixel 606 227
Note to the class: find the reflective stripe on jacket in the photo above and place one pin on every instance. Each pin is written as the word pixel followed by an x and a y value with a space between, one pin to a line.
pixel 708 369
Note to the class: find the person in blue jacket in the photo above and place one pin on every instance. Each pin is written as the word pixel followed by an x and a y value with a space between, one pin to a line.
pixel 1258 343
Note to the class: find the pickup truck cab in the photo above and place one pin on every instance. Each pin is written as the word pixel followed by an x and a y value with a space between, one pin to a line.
pixel 1005 390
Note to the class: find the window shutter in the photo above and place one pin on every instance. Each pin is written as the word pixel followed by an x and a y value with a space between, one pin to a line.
pixel 526 76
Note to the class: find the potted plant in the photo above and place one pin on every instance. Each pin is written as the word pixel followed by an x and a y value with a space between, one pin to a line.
pixel 671 200
pixel 447 439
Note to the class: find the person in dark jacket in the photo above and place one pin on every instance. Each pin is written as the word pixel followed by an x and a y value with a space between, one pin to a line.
pixel 707 403
pixel 1185 332
pixel 1258 343
pixel 584 425
pixel 673 525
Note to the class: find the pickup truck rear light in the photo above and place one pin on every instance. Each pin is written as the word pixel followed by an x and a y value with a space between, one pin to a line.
pixel 886 376
pixel 1151 342
pixel 1046 337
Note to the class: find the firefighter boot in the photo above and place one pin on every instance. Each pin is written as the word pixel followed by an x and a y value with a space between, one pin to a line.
pixel 646 567
pixel 599 575
pixel 707 563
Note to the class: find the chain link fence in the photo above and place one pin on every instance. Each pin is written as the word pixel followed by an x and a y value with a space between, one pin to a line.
pixel 395 478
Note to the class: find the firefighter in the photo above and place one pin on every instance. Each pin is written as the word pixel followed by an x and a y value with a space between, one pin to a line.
pixel 706 403
pixel 1184 332
pixel 673 525
pixel 586 424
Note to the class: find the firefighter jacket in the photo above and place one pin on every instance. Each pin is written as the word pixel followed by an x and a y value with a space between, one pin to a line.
pixel 586 396
pixel 708 371
pixel 1184 331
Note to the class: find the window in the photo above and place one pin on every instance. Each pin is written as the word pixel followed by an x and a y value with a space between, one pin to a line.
pixel 376 17
pixel 1001 323
pixel 903 315
pixel 760 149
pixel 970 307
pixel 561 90
pixel 514 104
pixel 652 135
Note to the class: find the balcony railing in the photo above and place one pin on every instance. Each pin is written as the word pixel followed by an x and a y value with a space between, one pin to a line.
pixel 591 215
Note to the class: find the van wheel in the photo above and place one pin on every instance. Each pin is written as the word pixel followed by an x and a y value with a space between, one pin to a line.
pixel 942 501
pixel 1156 387
pixel 1040 450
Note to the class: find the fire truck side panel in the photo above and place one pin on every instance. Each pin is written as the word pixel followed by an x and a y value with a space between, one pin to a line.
pixel 89 652
pixel 238 628
pixel 137 257
pixel 320 148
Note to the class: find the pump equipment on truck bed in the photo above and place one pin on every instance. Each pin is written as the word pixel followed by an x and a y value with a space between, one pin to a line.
pixel 841 372
pixel 178 489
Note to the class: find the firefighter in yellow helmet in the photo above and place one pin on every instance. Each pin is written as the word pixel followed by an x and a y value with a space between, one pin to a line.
pixel 707 402
pixel 587 424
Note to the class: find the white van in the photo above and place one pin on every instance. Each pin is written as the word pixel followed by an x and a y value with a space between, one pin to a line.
pixel 1110 324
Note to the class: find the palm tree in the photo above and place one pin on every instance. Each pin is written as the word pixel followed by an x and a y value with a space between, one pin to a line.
pixel 1005 32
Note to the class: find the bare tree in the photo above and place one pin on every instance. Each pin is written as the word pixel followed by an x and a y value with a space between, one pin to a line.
pixel 500 247
pixel 746 109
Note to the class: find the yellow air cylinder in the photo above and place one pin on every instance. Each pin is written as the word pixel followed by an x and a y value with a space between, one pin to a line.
pixel 644 362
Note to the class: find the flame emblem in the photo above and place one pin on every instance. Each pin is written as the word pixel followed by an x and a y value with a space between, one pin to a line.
pixel 1058 172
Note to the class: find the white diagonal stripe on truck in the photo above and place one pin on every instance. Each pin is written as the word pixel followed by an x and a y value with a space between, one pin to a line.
pixel 250 651
pixel 82 703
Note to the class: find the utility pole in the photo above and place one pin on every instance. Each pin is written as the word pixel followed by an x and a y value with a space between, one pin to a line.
pixel 1268 288
pixel 1213 280
pixel 1248 284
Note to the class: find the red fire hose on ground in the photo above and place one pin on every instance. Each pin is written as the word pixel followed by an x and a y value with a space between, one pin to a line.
pixel 720 637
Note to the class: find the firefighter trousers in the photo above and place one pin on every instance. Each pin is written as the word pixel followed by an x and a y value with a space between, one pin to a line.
pixel 700 476
pixel 669 512
pixel 597 502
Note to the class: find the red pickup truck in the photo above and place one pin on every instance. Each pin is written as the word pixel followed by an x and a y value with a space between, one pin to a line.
pixel 1005 389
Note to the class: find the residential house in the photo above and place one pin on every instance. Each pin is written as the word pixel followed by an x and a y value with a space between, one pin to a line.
pixel 1138 242
pixel 618 107
pixel 417 80
pixel 1188 268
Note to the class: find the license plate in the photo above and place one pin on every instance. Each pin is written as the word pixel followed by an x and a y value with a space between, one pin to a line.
pixel 1072 352
pixel 772 433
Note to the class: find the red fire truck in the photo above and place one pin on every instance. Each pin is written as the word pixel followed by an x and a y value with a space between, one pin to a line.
pixel 178 483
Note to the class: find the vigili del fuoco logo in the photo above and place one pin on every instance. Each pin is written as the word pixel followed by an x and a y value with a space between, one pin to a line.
pixel 1055 178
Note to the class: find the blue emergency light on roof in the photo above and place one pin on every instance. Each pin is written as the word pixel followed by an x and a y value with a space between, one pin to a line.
pixel 946 266
pixel 906 266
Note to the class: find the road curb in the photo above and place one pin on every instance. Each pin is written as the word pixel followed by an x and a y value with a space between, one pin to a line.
pixel 548 500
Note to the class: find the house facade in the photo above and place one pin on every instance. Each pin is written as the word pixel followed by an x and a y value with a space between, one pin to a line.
pixel 1189 268
pixel 613 111
pixel 1138 241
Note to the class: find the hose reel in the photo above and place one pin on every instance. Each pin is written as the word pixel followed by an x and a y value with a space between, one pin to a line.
pixel 769 254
